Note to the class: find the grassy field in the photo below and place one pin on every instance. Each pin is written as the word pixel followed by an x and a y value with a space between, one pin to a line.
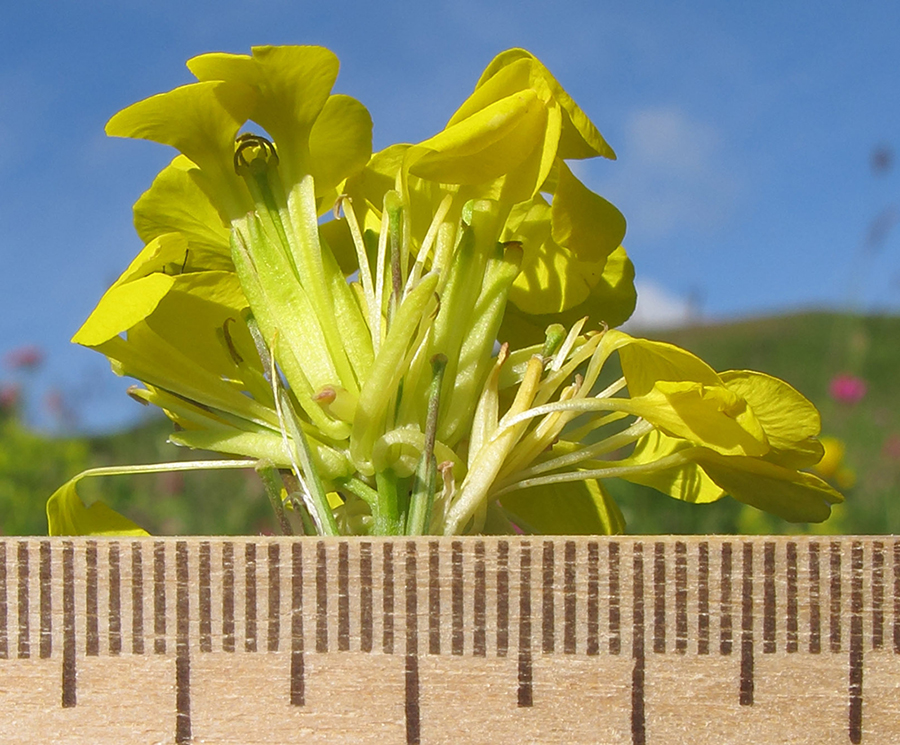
pixel 806 349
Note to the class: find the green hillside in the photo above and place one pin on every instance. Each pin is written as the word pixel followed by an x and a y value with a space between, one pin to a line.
pixel 806 349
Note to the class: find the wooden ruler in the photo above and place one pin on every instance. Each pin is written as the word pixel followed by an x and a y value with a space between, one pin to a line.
pixel 569 640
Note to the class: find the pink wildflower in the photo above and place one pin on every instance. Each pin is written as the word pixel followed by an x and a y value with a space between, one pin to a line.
pixel 27 357
pixel 847 389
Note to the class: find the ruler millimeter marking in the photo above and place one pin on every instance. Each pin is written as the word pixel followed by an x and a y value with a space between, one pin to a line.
pixel 537 601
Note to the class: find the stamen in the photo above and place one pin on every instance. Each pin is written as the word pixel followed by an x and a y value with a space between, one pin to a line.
pixel 229 343
pixel 430 238
pixel 426 475
pixel 254 155
pixel 365 272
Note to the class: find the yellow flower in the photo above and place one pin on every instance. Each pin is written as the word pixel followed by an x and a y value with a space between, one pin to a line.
pixel 403 368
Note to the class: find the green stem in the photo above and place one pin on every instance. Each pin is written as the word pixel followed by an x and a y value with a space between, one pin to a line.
pixel 271 479
pixel 422 499
pixel 387 516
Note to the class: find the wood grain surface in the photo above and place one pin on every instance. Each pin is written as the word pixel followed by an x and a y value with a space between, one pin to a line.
pixel 653 639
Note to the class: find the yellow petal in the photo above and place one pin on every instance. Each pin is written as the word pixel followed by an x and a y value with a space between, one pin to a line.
pixel 484 146
pixel 174 203
pixel 340 141
pixel 793 495
pixel 201 121
pixel 644 362
pixel 292 85
pixel 707 415
pixel 584 222
pixel 67 515
pixel 575 508
pixel 122 307
pixel 687 481
pixel 790 421
pixel 579 138
pixel 611 301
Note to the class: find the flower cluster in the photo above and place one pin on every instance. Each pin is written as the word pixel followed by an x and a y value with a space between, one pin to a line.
pixel 440 356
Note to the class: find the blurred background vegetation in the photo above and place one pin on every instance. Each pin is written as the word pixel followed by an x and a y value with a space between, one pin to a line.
pixel 846 364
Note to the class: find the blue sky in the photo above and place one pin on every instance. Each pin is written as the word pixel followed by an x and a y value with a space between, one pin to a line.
pixel 744 133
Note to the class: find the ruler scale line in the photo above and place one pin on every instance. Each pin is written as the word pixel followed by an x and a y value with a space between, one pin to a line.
pixel 250 600
pixel 877 595
pixel 204 600
pixel 413 721
pixel 159 597
pixel 366 611
pixel 638 712
pixel 593 599
pixel 525 694
pixel 91 601
pixel 343 597
pixel 746 686
pixel 24 646
pixel 274 599
pixel 228 633
pixel 681 598
pixel 321 598
pixel 4 605
pixel 434 598
pixel 114 632
pixel 46 601
pixel 897 597
pixel 835 604
pixel 769 599
pixel 457 608
pixel 615 613
pixel 69 675
pixel 548 620
pixel 182 646
pixel 856 643
pixel 703 598
pixel 387 598
pixel 298 689
pixel 137 598
pixel 726 640
pixel 479 604
pixel 815 612
pixel 569 600
pixel 792 627
pixel 502 598
pixel 659 597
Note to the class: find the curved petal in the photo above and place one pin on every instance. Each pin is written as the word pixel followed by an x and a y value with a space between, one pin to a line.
pixel 67 515
pixel 708 415
pixel 201 121
pixel 579 138
pixel 574 508
pixel 485 146
pixel 611 302
pixel 790 421
pixel 292 84
pixel 340 141
pixel 796 496
pixel 582 221
pixel 121 307
pixel 685 481
pixel 644 362
pixel 175 203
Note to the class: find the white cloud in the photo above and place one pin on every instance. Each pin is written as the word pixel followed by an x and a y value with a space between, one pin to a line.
pixel 673 174
pixel 658 308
